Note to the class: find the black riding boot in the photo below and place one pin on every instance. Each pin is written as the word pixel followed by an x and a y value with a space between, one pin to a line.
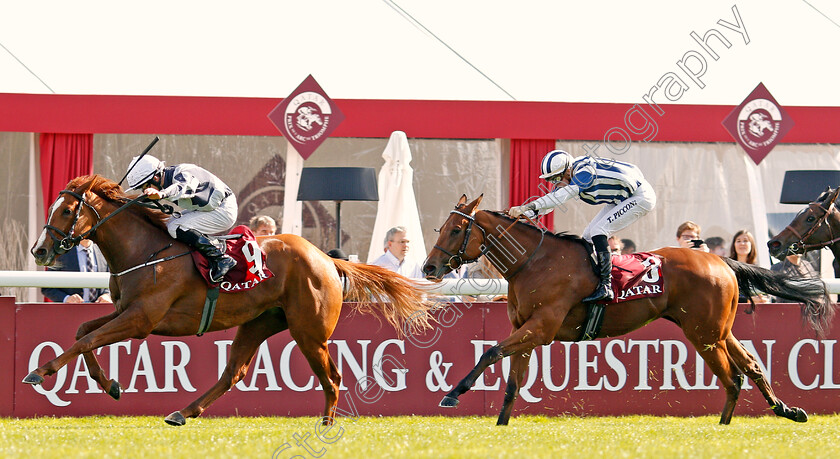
pixel 220 263
pixel 604 289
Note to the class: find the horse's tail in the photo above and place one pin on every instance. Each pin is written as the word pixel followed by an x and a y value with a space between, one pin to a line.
pixel 397 297
pixel 817 308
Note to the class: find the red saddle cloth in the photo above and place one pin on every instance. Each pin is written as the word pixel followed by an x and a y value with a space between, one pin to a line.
pixel 636 275
pixel 250 267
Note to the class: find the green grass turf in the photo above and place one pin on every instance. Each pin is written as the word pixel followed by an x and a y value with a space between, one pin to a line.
pixel 432 437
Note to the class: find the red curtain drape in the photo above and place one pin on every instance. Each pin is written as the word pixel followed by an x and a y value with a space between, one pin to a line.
pixel 63 158
pixel 525 157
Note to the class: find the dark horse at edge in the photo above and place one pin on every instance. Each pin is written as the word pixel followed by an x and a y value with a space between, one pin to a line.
pixel 814 227
pixel 549 275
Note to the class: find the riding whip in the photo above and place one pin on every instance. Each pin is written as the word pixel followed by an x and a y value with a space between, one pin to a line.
pixel 154 141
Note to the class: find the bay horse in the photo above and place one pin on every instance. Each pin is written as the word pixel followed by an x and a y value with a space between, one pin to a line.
pixel 549 275
pixel 305 295
pixel 814 227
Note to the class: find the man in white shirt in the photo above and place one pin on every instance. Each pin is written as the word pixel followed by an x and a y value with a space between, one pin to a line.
pixel 394 258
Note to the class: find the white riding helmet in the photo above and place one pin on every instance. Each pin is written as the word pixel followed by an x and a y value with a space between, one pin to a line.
pixel 555 163
pixel 143 170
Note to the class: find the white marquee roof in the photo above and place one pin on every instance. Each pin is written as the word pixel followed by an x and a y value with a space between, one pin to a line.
pixel 535 51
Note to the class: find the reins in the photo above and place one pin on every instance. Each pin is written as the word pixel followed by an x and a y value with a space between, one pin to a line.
pixel 457 260
pixel 68 240
pixel 533 252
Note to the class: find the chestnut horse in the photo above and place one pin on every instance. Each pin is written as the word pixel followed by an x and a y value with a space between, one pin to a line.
pixel 549 275
pixel 304 296
pixel 815 227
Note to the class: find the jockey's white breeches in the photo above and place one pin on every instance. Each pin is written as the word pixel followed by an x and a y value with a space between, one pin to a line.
pixel 216 221
pixel 616 217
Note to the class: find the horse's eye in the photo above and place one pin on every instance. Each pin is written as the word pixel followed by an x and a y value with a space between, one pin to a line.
pixel 456 231
pixel 66 211
pixel 811 219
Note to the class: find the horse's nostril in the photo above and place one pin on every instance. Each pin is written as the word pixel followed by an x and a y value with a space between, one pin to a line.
pixel 428 269
pixel 772 245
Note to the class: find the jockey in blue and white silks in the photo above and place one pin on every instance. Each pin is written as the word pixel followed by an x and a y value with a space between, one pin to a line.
pixel 620 186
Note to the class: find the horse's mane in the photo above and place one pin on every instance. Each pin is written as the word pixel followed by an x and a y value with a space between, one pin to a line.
pixel 110 191
pixel 561 235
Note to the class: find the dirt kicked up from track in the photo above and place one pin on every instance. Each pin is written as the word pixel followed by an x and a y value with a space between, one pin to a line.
pixel 415 436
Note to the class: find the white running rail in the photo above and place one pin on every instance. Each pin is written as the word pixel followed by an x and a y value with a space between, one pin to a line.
pixel 100 280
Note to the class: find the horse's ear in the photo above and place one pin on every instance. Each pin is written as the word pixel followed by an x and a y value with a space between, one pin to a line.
pixel 474 205
pixel 461 201
pixel 832 195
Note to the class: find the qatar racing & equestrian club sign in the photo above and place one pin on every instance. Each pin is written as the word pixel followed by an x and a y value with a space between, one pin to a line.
pixel 758 124
pixel 307 117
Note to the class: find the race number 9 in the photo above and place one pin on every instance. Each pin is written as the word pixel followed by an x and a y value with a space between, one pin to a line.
pixel 253 255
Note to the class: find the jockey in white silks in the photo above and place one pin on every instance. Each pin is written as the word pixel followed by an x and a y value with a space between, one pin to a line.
pixel 208 205
pixel 620 186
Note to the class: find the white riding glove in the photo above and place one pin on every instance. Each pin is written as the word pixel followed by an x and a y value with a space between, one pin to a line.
pixel 527 209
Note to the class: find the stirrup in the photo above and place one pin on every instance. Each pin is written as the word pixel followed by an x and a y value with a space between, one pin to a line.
pixel 220 267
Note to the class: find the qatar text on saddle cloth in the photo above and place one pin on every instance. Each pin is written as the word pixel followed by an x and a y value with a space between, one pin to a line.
pixel 250 267
pixel 636 275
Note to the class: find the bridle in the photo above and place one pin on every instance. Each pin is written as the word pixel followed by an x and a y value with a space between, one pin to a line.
pixel 68 240
pixel 457 260
pixel 800 246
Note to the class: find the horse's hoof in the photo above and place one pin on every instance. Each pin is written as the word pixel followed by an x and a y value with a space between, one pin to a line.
pixel 114 391
pixel 449 402
pixel 175 419
pixel 33 378
pixel 800 416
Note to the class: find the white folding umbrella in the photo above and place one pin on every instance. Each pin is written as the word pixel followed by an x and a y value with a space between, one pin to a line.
pixel 397 204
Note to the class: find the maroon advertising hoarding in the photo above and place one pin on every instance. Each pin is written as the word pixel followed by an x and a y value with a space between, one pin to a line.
pixel 650 371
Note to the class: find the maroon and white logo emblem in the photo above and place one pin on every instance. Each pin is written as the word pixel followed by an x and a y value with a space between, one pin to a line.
pixel 758 124
pixel 307 117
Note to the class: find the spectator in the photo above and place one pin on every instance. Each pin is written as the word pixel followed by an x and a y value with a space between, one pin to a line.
pixel 793 266
pixel 263 225
pixel 688 236
pixel 85 257
pixel 628 246
pixel 743 250
pixel 614 243
pixel 394 258
pixel 716 245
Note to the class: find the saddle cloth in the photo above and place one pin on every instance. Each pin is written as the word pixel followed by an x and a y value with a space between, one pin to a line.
pixel 250 267
pixel 635 276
